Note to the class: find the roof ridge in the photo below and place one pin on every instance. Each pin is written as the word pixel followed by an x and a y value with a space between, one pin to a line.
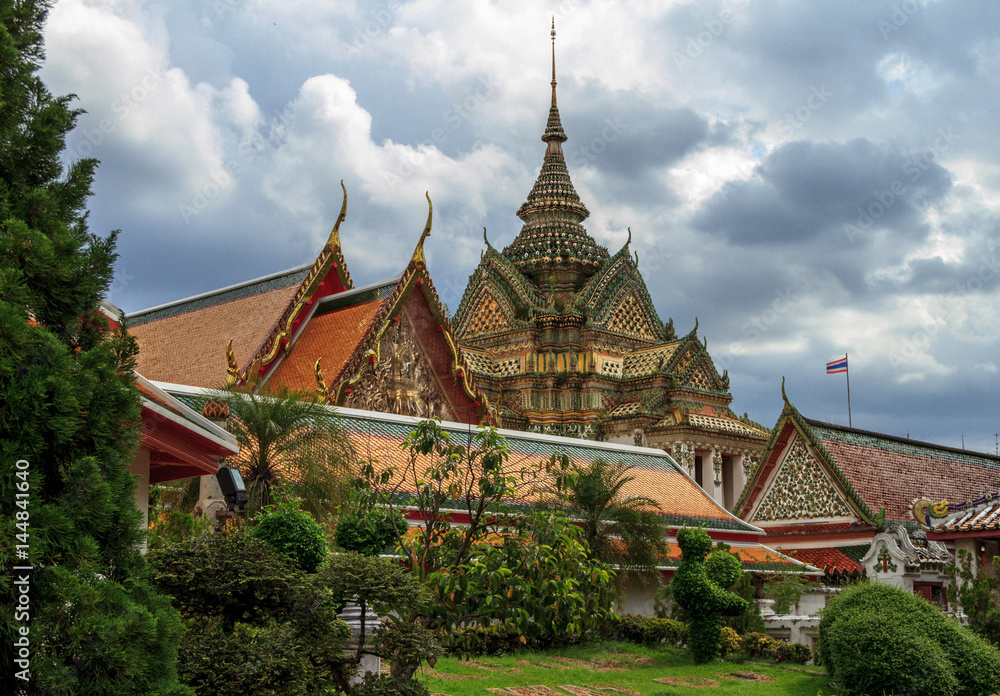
pixel 138 315
pixel 903 440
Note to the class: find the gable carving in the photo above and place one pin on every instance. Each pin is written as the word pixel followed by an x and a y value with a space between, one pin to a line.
pixel 402 381
pixel 801 490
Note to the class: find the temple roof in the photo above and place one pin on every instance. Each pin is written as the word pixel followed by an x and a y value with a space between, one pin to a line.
pixel 185 341
pixel 874 471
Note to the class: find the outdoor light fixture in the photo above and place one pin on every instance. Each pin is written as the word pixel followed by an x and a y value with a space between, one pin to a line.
pixel 232 487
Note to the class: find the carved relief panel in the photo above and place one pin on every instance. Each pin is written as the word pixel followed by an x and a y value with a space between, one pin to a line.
pixel 402 381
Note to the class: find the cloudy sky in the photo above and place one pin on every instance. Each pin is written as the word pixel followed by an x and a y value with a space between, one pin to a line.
pixel 808 179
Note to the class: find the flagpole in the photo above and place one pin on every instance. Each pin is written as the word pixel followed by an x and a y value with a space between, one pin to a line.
pixel 848 366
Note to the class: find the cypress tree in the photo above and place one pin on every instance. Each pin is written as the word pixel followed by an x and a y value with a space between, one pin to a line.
pixel 69 415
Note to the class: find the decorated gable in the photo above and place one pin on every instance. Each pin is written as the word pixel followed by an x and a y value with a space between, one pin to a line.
pixel 487 314
pixel 800 489
pixel 631 316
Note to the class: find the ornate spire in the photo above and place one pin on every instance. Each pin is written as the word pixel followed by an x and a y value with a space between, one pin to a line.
pixel 418 253
pixel 552 238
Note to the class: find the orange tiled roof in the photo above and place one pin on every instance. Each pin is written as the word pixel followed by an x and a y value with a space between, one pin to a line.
pixel 334 337
pixel 829 560
pixel 186 342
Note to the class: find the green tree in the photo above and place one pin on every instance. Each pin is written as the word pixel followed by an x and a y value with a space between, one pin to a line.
pixel 287 439
pixel 625 531
pixel 69 413
pixel 528 569
pixel 978 593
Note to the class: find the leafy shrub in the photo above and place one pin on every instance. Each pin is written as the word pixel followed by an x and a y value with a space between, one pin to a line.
pixel 652 631
pixel 257 622
pixel 292 531
pixel 756 644
pixel 786 590
pixel 759 645
pixel 729 641
pixel 369 531
pixel 384 685
pixel 174 526
pixel 495 639
pixel 876 638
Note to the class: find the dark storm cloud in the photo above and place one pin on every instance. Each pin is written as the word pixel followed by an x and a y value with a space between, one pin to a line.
pixel 628 140
pixel 804 190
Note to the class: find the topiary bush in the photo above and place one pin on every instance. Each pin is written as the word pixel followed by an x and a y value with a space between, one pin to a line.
pixel 292 531
pixel 495 639
pixel 700 587
pixel 875 638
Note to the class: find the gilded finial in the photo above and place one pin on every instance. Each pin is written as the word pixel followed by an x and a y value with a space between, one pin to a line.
pixel 418 253
pixel 321 390
pixel 553 61
pixel 233 369
pixel 334 239
pixel 783 395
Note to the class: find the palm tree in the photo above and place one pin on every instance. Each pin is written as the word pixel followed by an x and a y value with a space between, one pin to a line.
pixel 626 531
pixel 286 439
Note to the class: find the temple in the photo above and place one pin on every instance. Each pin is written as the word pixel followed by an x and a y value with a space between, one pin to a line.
pixel 384 347
pixel 564 339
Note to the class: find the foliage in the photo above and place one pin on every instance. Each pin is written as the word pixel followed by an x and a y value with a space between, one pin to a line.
pixel 528 569
pixel 265 622
pixel 623 531
pixel 173 527
pixel 369 531
pixel 69 413
pixel 380 586
pixel 729 641
pixel 760 645
pixel 749 621
pixel 699 587
pixel 288 439
pixel 786 590
pixel 875 638
pixel 293 531
pixel 646 630
pixel 978 594
pixel 385 685
pixel 494 639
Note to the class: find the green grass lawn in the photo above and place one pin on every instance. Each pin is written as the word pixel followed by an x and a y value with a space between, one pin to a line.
pixel 608 669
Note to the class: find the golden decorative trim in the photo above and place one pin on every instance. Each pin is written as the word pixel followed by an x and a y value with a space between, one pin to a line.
pixel 321 389
pixel 233 369
pixel 418 253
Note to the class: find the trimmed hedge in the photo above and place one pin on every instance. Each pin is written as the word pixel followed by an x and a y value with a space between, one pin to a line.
pixel 292 531
pixel 875 638
pixel 646 630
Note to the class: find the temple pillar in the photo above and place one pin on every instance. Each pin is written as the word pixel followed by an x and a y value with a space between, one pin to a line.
pixel 711 474
pixel 739 479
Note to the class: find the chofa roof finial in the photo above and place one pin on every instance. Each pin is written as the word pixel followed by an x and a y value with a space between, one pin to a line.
pixel 418 253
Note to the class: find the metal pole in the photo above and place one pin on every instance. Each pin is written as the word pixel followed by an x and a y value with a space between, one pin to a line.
pixel 849 423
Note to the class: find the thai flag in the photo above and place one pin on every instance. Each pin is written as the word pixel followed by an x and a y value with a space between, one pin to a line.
pixel 836 366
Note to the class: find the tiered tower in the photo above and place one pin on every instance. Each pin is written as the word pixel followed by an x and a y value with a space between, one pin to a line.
pixel 565 340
